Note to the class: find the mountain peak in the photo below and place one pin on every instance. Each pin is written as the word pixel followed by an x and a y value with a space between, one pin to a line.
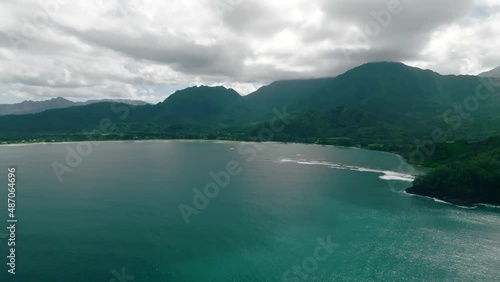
pixel 206 87
pixel 204 91
pixel 393 63
pixel 204 103
pixel 377 69
pixel 59 99
pixel 32 107
pixel 492 73
pixel 384 64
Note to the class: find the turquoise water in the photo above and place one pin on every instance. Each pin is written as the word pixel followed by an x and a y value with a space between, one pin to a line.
pixel 118 209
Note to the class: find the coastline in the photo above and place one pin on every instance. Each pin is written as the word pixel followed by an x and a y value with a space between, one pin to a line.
pixel 398 155
pixel 458 203
pixel 437 200
pixel 212 141
pixel 469 206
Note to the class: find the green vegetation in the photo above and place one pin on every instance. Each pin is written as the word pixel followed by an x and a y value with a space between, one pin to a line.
pixel 470 174
pixel 380 106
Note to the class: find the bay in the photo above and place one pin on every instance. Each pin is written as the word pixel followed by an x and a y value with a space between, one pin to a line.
pixel 117 212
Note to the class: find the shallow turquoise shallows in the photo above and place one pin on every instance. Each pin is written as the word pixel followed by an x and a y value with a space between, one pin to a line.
pixel 291 213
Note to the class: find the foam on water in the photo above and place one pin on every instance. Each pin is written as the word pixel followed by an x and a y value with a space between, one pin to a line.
pixel 438 200
pixel 386 174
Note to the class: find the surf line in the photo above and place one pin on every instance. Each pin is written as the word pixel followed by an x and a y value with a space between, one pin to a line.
pixel 386 174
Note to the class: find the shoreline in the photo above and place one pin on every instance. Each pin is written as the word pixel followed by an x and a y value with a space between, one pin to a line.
pixel 398 155
pixel 437 200
pixel 207 140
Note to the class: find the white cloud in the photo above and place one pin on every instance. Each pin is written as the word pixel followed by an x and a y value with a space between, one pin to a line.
pixel 136 49
pixel 464 47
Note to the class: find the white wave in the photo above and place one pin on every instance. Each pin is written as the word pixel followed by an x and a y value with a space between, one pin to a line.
pixel 439 201
pixel 387 174
pixel 407 194
pixel 391 175
pixel 489 206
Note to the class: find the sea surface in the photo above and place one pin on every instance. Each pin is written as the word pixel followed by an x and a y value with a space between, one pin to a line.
pixel 277 212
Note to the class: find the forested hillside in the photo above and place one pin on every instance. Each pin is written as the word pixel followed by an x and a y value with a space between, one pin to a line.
pixel 383 106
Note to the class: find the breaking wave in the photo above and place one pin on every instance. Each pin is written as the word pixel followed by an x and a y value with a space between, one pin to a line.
pixel 386 174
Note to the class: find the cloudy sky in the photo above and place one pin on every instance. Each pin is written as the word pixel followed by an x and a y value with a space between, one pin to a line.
pixel 148 49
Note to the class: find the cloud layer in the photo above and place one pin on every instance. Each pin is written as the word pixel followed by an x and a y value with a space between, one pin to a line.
pixel 147 49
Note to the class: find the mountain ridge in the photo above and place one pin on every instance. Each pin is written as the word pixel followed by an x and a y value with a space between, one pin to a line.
pixel 33 107
pixel 372 97
pixel 491 73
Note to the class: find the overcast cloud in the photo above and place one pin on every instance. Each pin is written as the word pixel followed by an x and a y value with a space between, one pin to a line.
pixel 147 49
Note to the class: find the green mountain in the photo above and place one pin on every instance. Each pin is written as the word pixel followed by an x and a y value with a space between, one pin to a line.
pixel 33 107
pixel 373 101
pixel 384 106
pixel 68 120
pixel 381 103
pixel 492 73
pixel 393 103
pixel 205 105
pixel 469 174
pixel 289 93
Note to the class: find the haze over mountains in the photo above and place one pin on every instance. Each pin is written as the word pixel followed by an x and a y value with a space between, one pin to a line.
pixel 492 73
pixel 32 107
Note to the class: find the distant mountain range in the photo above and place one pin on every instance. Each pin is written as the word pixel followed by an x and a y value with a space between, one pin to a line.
pixel 492 73
pixel 32 107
